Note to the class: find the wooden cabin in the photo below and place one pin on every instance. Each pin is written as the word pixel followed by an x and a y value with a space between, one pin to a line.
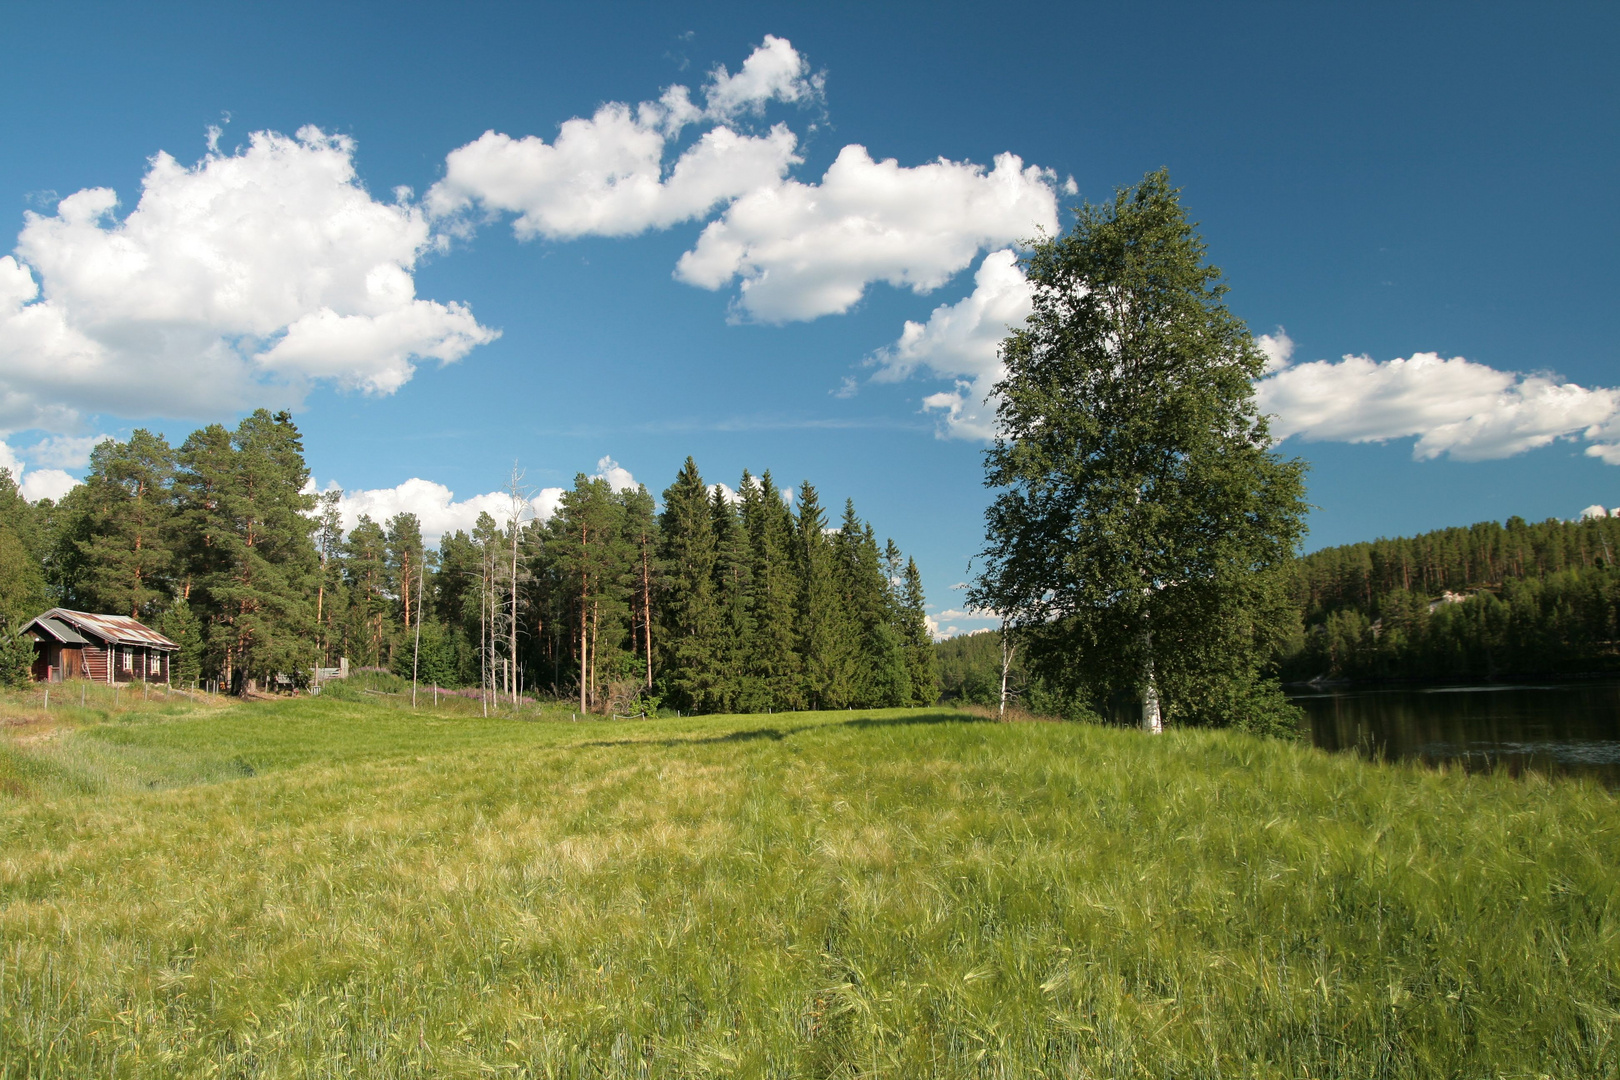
pixel 104 648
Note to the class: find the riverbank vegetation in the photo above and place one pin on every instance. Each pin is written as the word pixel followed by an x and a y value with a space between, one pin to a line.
pixel 1464 603
pixel 316 887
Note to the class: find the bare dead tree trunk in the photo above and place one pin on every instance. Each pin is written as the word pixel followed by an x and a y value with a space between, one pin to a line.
pixel 483 634
pixel 519 509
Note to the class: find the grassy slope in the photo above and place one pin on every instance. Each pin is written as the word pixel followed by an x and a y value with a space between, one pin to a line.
pixel 796 895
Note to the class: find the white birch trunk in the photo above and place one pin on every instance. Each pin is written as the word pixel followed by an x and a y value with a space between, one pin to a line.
pixel 1152 721
pixel 1007 650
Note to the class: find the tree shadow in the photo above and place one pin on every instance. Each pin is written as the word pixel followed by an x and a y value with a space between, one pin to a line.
pixel 775 734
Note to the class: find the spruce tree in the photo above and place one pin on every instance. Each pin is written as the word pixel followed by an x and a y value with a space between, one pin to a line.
pixel 912 622
pixel 691 612
pixel 774 664
pixel 828 645
pixel 180 625
pixel 736 689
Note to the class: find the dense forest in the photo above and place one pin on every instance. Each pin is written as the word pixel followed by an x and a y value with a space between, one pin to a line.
pixel 705 603
pixel 1463 603
pixel 1474 602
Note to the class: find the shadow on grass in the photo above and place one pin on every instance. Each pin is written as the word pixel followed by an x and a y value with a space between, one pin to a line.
pixel 778 734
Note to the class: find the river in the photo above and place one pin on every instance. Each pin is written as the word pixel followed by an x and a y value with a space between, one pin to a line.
pixel 1552 727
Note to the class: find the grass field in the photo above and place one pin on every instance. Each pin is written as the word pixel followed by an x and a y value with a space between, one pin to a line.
pixel 327 887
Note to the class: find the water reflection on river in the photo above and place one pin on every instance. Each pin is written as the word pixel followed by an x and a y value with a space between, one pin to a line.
pixel 1549 727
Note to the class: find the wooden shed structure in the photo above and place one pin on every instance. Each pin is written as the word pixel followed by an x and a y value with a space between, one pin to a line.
pixel 104 648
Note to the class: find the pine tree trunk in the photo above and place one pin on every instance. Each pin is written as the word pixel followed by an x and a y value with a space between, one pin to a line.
pixel 596 625
pixel 584 646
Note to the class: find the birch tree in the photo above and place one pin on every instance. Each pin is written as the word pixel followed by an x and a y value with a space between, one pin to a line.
pixel 1143 518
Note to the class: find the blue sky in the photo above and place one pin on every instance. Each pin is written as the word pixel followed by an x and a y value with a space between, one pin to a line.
pixel 1431 190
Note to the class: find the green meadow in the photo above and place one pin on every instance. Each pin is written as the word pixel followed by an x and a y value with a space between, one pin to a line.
pixel 347 887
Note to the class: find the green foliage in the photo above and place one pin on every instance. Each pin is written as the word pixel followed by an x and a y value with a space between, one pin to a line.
pixel 697 608
pixel 254 571
pixel 970 669
pixel 775 665
pixel 22 580
pixel 321 887
pixel 181 626
pixel 16 655
pixel 911 623
pixel 1468 603
pixel 124 549
pixel 593 561
pixel 437 663
pixel 1143 521
pixel 693 626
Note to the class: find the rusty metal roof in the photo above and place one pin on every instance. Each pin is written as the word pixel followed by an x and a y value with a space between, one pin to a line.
pixel 113 629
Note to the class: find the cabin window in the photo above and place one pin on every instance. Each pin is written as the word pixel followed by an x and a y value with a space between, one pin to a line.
pixel 156 665
pixel 126 657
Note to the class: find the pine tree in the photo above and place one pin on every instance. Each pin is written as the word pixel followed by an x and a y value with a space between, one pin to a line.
pixel 454 602
pixel 124 548
pixel 691 612
pixel 405 559
pixel 330 597
pixel 365 569
pixel 594 570
pixel 254 567
pixel 641 539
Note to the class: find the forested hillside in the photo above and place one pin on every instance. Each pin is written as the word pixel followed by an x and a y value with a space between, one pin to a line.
pixel 1489 599
pixel 706 605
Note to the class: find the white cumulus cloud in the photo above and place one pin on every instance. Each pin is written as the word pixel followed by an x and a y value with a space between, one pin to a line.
pixel 233 282
pixel 617 476
pixel 605 176
pixel 961 341
pixel 436 506
pixel 774 71
pixel 805 250
pixel 33 483
pixel 1454 407
pixel 65 451
pixel 51 484
pixel 440 512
